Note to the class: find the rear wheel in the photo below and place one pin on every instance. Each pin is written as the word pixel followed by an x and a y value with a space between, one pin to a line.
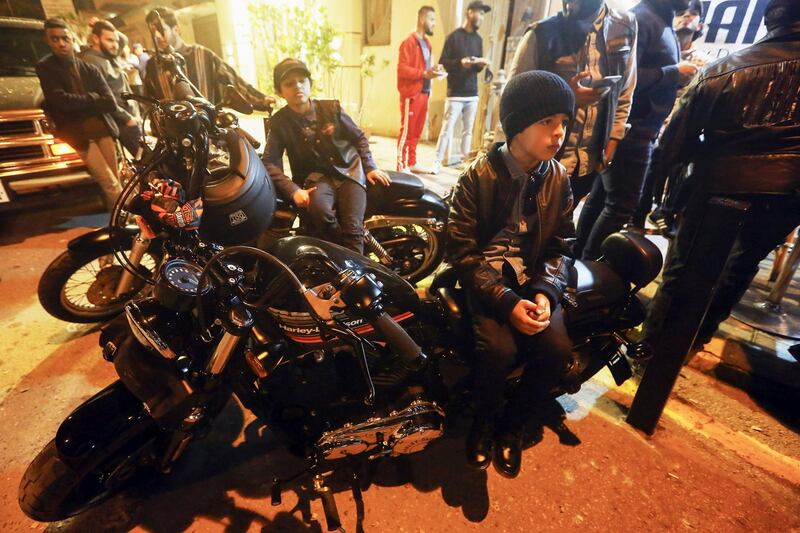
pixel 81 287
pixel 416 250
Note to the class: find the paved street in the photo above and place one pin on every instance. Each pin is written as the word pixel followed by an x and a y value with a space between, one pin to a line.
pixel 722 459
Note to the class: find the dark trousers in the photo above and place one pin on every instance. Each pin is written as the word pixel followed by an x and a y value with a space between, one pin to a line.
pixel 652 189
pixel 770 220
pixel 499 349
pixel 614 196
pixel 337 210
pixel 581 186
pixel 130 136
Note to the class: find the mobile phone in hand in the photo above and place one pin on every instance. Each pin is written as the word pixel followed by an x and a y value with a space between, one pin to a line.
pixel 602 83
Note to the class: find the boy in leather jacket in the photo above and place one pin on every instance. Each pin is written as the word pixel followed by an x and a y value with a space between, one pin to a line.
pixel 508 236
pixel 329 155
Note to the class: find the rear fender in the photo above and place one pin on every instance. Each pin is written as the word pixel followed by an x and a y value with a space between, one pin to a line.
pixel 429 205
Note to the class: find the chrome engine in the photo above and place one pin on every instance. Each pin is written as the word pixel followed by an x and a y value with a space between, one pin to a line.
pixel 401 432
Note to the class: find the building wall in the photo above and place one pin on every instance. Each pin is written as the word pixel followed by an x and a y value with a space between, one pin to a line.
pixel 382 108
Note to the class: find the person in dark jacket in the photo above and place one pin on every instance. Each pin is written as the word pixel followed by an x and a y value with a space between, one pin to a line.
pixel 508 236
pixel 103 52
pixel 329 155
pixel 739 124
pixel 615 196
pixel 78 99
pixel 462 58
pixel 584 43
pixel 205 69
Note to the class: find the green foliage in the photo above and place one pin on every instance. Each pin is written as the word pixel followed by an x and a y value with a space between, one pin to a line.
pixel 368 67
pixel 368 70
pixel 300 30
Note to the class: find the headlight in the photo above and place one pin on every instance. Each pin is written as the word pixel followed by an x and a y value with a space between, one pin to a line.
pixel 145 333
pixel 59 149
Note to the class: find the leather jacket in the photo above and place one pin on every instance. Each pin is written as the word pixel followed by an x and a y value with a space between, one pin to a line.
pixel 341 148
pixel 485 193
pixel 739 121
pixel 550 45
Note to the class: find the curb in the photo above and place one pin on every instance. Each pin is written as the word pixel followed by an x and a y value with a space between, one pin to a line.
pixel 751 368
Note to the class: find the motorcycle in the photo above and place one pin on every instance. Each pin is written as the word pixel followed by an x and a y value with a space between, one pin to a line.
pixel 404 228
pixel 336 352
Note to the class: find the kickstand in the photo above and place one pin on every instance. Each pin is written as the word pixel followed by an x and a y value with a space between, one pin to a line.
pixel 328 502
pixel 277 483
pixel 358 497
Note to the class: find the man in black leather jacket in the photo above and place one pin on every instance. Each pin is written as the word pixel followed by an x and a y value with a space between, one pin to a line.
pixel 739 123
pixel 508 236
pixel 329 155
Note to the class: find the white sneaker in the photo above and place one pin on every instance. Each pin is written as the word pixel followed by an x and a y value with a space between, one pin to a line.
pixel 418 169
pixel 437 167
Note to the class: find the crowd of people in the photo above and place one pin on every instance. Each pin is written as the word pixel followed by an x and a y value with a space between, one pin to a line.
pixel 589 112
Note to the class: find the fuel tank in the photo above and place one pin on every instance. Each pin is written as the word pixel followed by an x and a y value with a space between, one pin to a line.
pixel 316 263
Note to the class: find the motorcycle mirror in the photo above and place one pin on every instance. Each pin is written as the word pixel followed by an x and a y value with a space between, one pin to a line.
pixel 236 101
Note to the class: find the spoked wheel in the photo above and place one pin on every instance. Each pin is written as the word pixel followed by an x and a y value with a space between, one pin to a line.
pixel 416 250
pixel 82 287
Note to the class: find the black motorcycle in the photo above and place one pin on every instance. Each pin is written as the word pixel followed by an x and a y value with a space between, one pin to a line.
pixel 87 283
pixel 334 352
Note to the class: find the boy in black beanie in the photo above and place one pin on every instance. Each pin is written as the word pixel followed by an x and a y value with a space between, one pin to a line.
pixel 508 235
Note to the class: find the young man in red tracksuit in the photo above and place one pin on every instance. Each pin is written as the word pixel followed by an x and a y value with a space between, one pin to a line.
pixel 415 71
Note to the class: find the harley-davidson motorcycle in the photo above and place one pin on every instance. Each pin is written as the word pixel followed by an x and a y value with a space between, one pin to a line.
pixel 404 225
pixel 335 352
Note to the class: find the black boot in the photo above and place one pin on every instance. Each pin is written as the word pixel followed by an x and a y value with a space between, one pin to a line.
pixel 479 442
pixel 509 438
pixel 508 453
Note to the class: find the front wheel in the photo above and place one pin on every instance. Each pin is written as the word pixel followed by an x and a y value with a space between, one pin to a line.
pixel 81 287
pixel 100 449
pixel 51 490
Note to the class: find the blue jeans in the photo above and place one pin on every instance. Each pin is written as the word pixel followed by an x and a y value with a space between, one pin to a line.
pixel 454 108
pixel 614 196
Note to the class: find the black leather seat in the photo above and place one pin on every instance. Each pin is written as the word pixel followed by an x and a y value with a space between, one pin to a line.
pixel 404 187
pixel 633 256
pixel 595 285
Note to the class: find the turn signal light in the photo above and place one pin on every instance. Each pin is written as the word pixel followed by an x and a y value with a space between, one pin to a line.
pixel 61 149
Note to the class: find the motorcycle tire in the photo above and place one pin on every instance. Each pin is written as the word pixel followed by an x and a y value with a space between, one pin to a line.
pixel 54 284
pixel 52 490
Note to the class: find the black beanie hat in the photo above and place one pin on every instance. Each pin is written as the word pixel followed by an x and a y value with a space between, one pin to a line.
pixel 532 96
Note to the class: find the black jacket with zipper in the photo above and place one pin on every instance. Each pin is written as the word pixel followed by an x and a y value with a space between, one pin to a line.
pixel 484 195
pixel 70 109
pixel 739 122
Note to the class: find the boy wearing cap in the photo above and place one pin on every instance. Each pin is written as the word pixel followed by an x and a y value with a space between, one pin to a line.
pixel 508 235
pixel 329 155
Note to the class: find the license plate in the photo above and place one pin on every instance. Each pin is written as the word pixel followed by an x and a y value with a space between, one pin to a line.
pixel 4 198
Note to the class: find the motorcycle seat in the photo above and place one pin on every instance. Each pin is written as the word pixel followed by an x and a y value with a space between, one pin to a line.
pixel 595 285
pixel 633 257
pixel 403 187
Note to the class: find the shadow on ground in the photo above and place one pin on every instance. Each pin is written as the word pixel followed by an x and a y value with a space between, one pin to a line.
pixel 202 484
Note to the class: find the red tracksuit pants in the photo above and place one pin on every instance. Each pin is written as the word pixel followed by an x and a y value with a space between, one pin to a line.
pixel 413 112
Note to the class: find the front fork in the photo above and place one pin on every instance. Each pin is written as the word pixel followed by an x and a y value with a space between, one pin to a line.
pixel 186 432
pixel 138 248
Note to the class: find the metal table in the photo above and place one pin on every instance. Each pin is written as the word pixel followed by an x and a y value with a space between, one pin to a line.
pixel 766 310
